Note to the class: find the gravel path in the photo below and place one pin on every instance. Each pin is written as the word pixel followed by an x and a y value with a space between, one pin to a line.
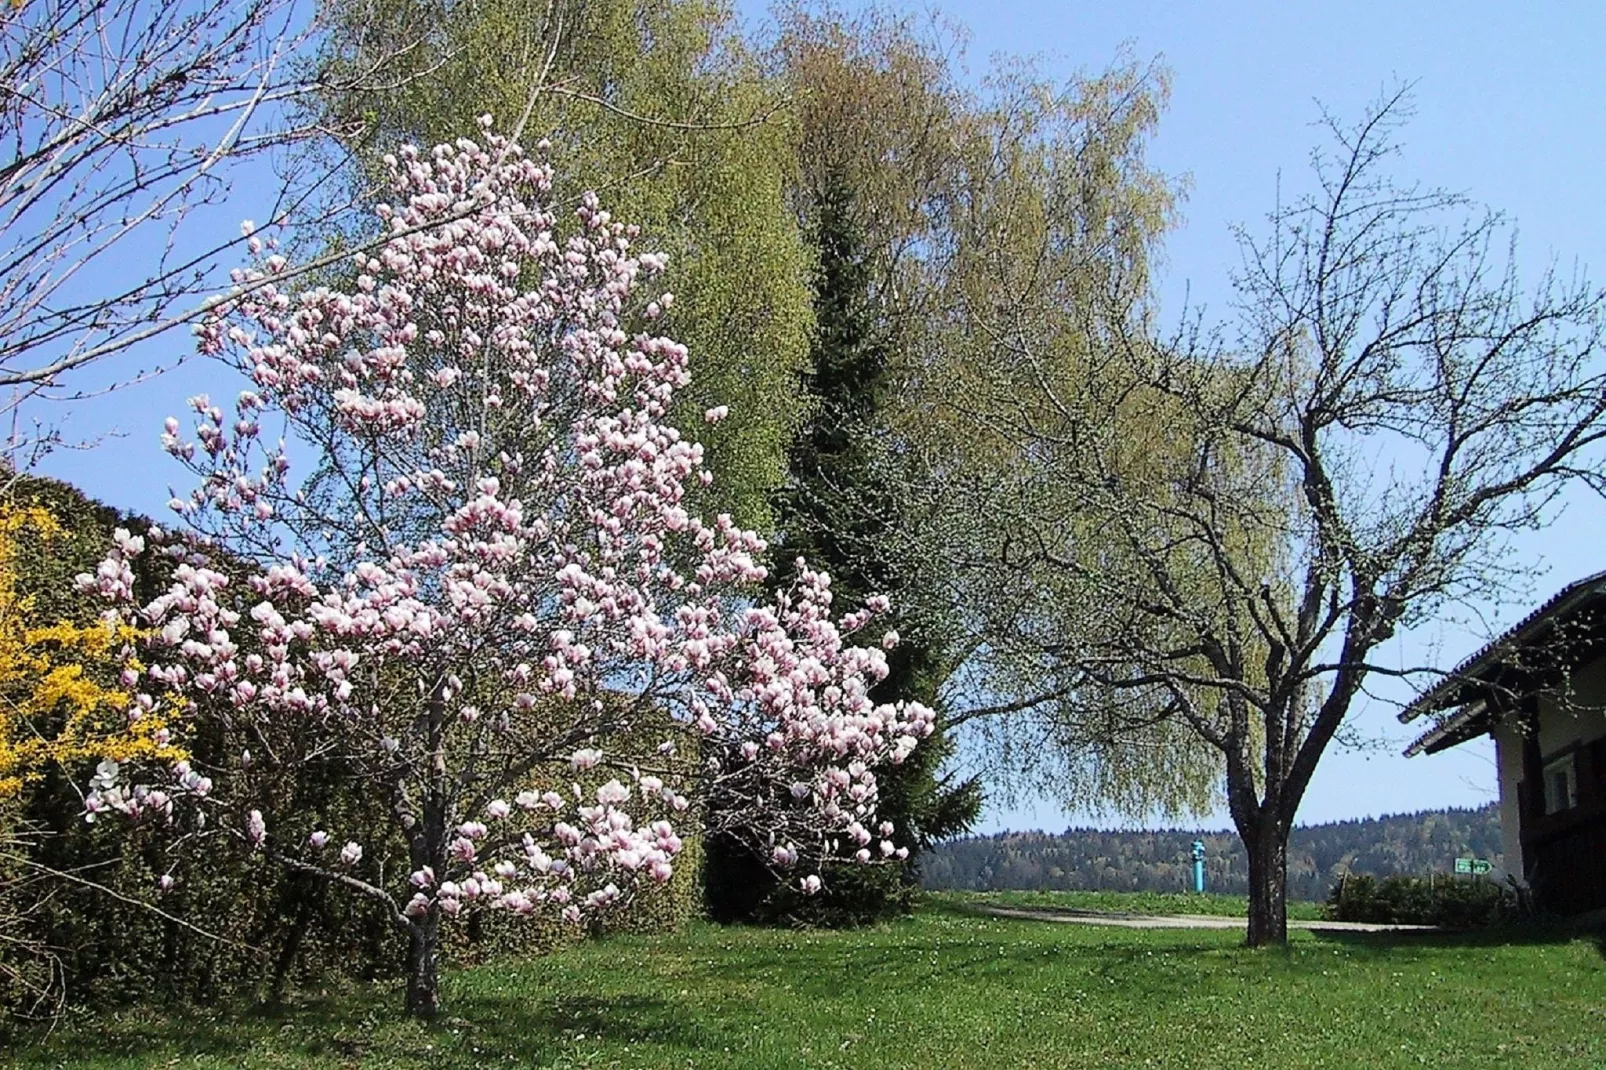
pixel 1183 921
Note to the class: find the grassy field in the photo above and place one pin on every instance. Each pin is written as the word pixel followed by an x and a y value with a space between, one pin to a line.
pixel 1228 906
pixel 946 988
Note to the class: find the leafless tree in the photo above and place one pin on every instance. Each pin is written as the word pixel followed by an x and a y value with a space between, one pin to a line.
pixel 121 120
pixel 1394 403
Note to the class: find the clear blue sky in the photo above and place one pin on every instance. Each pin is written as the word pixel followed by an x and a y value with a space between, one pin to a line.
pixel 1509 104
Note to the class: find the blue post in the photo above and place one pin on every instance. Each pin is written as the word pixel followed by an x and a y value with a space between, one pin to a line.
pixel 1198 865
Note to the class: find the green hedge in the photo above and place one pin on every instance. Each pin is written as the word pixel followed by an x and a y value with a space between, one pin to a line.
pixel 234 923
pixel 1441 900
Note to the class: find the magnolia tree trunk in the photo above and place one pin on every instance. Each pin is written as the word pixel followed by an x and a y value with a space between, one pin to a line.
pixel 1267 847
pixel 423 966
pixel 428 855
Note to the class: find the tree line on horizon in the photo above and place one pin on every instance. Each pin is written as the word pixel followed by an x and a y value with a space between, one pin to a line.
pixel 1133 860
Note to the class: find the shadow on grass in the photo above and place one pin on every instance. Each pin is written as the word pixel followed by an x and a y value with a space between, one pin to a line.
pixel 144 1035
pixel 951 907
pixel 1537 931
pixel 476 1030
pixel 990 910
pixel 986 910
pixel 519 1023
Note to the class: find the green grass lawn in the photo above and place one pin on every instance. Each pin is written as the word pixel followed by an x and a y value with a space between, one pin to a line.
pixel 944 989
pixel 1229 906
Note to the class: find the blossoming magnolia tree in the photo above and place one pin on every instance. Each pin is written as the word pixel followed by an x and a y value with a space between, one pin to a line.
pixel 490 571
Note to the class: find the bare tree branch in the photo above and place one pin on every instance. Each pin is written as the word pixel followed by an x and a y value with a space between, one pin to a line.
pixel 121 122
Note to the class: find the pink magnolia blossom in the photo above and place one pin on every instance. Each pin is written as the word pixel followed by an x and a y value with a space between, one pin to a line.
pixel 256 829
pixel 500 514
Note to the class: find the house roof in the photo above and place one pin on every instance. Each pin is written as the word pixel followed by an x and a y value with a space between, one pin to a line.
pixel 1466 684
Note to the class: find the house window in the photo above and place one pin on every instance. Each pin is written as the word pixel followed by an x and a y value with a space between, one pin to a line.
pixel 1561 784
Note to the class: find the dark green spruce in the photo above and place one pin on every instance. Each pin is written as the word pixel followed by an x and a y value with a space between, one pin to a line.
pixel 839 510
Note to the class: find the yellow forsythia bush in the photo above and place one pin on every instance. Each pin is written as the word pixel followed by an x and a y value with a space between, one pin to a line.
pixel 59 700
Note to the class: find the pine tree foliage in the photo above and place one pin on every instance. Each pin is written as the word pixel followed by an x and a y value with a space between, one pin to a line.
pixel 996 216
pixel 840 508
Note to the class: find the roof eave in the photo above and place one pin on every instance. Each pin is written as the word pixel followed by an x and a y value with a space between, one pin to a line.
pixel 1447 692
pixel 1470 722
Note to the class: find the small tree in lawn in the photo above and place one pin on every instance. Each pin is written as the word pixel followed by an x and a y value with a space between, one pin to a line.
pixel 489 576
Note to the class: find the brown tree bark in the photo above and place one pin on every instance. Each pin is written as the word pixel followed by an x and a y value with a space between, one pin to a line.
pixel 423 966
pixel 1267 846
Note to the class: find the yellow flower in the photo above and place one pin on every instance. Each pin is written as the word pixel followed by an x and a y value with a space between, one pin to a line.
pixel 59 702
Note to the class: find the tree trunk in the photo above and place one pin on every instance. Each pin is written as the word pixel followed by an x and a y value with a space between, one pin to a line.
pixel 423 966
pixel 300 895
pixel 427 848
pixel 1268 883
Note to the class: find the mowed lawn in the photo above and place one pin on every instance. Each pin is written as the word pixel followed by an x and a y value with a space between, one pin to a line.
pixel 1232 906
pixel 946 988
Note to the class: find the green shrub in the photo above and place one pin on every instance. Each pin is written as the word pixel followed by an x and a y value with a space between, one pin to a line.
pixel 234 923
pixel 1442 900
pixel 740 888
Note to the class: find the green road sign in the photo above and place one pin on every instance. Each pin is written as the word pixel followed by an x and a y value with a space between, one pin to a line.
pixel 1480 866
pixel 1463 865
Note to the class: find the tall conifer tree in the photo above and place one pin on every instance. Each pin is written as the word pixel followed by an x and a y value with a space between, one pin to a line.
pixel 840 510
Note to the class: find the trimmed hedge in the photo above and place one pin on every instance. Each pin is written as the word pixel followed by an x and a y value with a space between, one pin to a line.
pixel 1442 900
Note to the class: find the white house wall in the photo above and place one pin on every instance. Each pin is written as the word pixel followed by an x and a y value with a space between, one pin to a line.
pixel 1564 721
pixel 1508 760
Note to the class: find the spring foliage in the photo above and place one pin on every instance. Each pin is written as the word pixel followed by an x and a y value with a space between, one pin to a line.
pixel 660 106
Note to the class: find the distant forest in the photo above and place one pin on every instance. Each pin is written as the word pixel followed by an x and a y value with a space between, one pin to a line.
pixel 1318 855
